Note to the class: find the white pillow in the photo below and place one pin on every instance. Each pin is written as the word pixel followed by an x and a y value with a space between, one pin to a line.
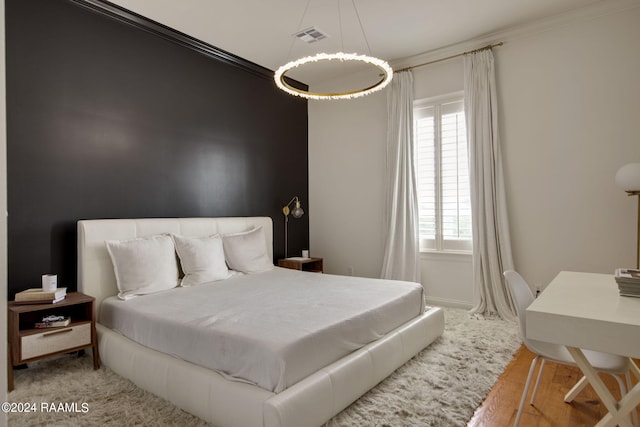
pixel 144 265
pixel 202 259
pixel 247 252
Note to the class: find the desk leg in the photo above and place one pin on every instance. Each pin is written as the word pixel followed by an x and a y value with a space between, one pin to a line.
pixel 616 415
pixel 627 404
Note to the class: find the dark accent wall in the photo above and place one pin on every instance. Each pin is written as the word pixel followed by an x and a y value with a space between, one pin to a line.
pixel 108 120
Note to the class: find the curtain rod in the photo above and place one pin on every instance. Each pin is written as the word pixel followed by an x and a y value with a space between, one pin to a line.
pixel 449 57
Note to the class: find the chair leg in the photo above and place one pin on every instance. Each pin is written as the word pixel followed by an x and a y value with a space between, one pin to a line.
pixel 535 387
pixel 580 385
pixel 623 388
pixel 634 368
pixel 534 362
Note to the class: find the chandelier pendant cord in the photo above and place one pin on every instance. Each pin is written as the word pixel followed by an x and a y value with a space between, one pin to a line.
pixel 340 26
pixel 364 35
pixel 293 39
pixel 385 76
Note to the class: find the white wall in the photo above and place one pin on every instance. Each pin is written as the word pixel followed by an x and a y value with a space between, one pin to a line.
pixel 569 118
pixel 346 183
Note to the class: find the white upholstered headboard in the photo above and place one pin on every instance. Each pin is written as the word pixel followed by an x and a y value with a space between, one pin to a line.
pixel 95 270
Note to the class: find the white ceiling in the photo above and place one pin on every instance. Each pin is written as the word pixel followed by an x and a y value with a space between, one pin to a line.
pixel 261 30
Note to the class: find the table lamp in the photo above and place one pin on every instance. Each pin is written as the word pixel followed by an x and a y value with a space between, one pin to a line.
pixel 296 212
pixel 628 178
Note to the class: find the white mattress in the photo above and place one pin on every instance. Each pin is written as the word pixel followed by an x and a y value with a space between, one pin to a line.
pixel 270 329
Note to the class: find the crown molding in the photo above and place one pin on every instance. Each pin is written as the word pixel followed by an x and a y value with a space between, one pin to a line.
pixel 128 17
pixel 586 13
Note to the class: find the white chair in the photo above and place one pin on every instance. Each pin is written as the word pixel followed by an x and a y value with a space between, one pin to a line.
pixel 602 362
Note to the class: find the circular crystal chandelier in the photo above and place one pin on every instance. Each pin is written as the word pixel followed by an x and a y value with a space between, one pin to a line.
pixel 386 76
pixel 383 68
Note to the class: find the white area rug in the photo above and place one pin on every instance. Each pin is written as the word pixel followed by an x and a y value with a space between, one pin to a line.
pixel 442 386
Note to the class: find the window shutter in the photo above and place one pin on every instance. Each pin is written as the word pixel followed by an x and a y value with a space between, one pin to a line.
pixel 424 121
pixel 456 200
pixel 442 165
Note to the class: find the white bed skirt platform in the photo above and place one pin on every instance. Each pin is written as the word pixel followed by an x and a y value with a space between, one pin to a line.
pixel 310 402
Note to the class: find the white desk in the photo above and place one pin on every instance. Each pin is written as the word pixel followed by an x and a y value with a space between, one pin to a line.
pixel 585 310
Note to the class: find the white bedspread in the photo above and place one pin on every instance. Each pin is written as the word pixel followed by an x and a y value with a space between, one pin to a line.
pixel 271 329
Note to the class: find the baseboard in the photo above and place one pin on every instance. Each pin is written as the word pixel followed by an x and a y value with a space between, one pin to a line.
pixel 444 302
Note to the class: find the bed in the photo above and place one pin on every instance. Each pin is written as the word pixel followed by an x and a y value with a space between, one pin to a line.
pixel 301 398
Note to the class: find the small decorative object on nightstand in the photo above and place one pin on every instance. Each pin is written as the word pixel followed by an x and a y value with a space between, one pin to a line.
pixel 303 264
pixel 28 343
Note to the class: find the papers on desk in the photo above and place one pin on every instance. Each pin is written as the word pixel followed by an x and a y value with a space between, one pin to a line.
pixel 628 280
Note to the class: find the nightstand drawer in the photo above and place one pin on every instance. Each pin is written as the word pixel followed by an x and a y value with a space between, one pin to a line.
pixel 51 341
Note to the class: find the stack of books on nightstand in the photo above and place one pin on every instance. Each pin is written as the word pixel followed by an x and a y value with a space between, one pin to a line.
pixel 628 280
pixel 39 296
pixel 53 322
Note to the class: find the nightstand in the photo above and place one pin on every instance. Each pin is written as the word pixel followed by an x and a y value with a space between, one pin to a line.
pixel 302 264
pixel 27 343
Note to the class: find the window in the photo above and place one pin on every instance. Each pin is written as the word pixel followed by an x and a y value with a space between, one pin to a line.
pixel 442 167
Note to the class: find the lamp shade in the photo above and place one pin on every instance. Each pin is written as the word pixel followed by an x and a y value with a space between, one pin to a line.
pixel 628 177
pixel 297 212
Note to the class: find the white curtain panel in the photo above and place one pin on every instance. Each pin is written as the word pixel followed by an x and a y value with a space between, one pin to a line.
pixel 402 251
pixel 491 242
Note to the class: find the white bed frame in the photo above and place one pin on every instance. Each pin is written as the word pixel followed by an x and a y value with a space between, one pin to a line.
pixel 205 393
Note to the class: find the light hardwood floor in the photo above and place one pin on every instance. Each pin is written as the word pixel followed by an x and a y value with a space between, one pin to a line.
pixel 501 404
